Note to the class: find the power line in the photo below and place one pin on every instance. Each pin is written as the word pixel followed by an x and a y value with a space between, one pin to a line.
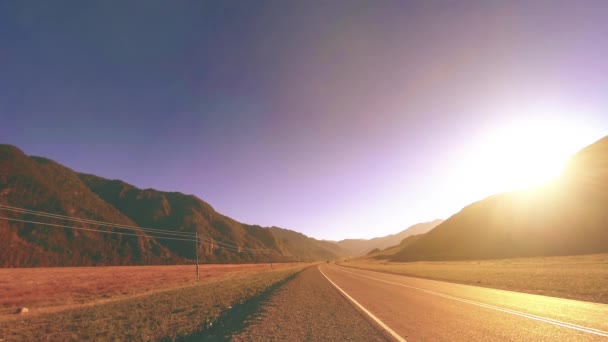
pixel 145 232
pixel 100 223
pixel 91 229
pixel 243 249
pixel 150 231
pixel 229 246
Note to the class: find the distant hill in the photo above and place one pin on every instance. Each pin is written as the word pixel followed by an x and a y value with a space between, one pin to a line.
pixel 567 217
pixel 359 247
pixel 389 252
pixel 41 184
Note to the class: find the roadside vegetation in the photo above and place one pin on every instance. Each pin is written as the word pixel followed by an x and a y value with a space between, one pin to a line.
pixel 163 314
pixel 581 277
pixel 59 288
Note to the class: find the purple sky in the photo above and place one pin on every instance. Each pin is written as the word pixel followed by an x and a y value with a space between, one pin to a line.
pixel 334 118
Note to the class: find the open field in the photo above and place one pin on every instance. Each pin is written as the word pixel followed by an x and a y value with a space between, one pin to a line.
pixel 45 290
pixel 166 315
pixel 582 277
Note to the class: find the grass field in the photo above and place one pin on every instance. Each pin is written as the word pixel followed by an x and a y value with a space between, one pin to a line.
pixel 57 288
pixel 148 309
pixel 582 277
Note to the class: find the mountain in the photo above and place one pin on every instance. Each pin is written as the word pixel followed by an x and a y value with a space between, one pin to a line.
pixel 359 247
pixel 388 252
pixel 43 185
pixel 566 217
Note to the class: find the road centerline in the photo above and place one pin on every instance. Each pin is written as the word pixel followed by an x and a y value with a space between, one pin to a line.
pixel 489 306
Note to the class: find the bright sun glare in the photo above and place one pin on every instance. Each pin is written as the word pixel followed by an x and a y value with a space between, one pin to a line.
pixel 522 155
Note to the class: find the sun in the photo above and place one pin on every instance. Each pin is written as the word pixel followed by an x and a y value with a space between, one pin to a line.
pixel 522 155
pixel 527 155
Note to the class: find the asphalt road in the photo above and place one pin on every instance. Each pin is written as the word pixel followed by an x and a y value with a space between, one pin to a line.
pixel 414 309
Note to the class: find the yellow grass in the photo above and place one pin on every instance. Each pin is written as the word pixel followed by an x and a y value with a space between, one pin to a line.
pixel 167 315
pixel 57 288
pixel 582 277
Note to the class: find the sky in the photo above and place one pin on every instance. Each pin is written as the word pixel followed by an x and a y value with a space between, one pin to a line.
pixel 338 119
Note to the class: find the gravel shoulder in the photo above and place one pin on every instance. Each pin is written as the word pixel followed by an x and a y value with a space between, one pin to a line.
pixel 308 308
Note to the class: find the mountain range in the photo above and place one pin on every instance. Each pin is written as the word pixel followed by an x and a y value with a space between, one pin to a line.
pixel 43 185
pixel 565 217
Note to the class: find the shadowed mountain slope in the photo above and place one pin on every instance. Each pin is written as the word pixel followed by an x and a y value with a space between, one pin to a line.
pixel 566 217
pixel 40 184
pixel 187 213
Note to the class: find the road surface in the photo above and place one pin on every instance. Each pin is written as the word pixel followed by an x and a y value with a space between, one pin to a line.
pixel 414 309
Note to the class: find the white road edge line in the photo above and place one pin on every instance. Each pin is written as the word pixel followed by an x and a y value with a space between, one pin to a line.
pixel 488 306
pixel 371 315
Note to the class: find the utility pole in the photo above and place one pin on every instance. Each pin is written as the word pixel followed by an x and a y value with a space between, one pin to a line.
pixel 196 248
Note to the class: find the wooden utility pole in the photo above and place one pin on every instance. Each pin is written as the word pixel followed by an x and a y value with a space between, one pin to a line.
pixel 196 247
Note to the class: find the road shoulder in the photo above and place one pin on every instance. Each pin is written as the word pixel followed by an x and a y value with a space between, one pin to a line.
pixel 309 308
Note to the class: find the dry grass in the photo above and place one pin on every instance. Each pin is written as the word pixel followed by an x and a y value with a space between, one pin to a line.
pixel 163 315
pixel 582 277
pixel 46 290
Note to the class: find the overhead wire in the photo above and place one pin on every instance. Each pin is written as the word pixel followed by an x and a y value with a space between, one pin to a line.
pixel 229 246
pixel 100 223
pixel 148 231
pixel 91 229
